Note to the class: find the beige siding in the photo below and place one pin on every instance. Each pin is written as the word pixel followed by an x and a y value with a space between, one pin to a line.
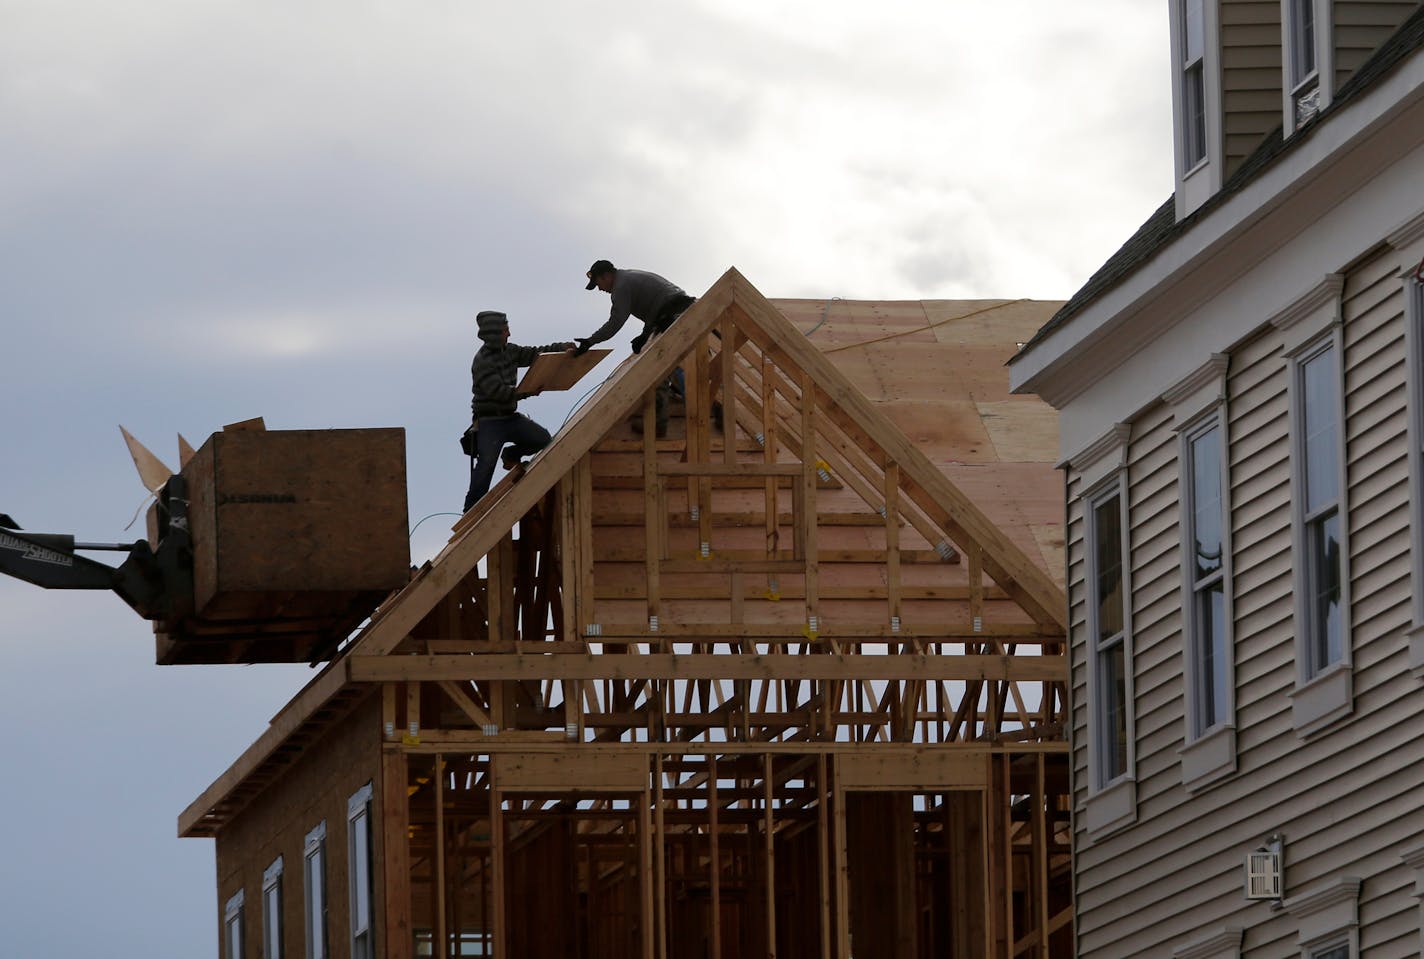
pixel 1360 26
pixel 1250 75
pixel 1347 800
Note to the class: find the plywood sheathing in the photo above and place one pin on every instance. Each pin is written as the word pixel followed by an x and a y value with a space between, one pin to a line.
pixel 936 369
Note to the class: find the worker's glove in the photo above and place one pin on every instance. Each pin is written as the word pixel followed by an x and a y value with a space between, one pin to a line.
pixel 582 345
pixel 640 341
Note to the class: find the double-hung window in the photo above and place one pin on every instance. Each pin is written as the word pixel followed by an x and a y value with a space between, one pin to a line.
pixel 1324 689
pixel 1107 625
pixel 314 886
pixel 358 827
pixel 1193 67
pixel 1320 449
pixel 1206 577
pixel 272 911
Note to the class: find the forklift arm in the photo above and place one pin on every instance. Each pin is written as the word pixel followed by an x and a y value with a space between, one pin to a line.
pixel 158 585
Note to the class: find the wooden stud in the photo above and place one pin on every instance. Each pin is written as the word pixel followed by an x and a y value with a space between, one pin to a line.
pixel 769 851
pixel 395 855
pixel 440 878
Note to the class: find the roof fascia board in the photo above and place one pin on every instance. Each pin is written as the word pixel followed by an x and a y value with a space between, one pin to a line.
pixel 1054 369
pixel 312 697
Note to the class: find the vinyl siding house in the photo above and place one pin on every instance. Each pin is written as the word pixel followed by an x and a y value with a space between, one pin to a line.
pixel 1241 390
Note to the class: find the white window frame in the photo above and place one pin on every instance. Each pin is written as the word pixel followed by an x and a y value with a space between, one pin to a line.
pixel 1209 750
pixel 1414 340
pixel 1197 179
pixel 1317 85
pixel 272 946
pixel 360 887
pixel 233 931
pixel 314 900
pixel 1100 469
pixel 1324 691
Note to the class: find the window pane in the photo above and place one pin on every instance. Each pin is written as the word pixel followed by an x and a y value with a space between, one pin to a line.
pixel 1193 30
pixel 1193 116
pixel 1113 711
pixel 1210 621
pixel 360 874
pixel 1107 547
pixel 1206 503
pixel 1302 40
pixel 1334 952
pixel 1321 448
pixel 272 920
pixel 316 904
pixel 234 937
pixel 1327 622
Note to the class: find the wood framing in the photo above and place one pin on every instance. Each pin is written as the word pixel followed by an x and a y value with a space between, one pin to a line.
pixel 772 684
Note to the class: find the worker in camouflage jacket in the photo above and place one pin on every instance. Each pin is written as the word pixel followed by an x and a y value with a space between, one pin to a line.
pixel 497 421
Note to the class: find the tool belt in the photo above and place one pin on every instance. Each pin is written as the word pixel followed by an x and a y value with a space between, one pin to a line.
pixel 671 310
pixel 467 438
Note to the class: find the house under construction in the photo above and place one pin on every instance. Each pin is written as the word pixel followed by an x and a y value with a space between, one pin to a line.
pixel 794 686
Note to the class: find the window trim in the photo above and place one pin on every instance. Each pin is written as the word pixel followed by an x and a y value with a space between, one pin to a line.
pixel 317 938
pixel 272 919
pixel 1327 917
pixel 1323 693
pixel 358 807
pixel 234 922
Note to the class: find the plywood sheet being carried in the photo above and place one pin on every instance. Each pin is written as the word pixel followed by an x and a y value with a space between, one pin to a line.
pixel 559 371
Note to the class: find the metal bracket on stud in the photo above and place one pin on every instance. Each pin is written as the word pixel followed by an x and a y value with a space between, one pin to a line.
pixel 593 629
pixel 946 552
pixel 652 624
pixel 490 729
pixel 978 624
pixel 894 624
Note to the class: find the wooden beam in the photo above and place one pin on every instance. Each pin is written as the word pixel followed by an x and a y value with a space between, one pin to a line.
pixel 513 666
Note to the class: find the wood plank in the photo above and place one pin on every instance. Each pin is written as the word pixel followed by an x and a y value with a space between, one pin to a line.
pixel 921 769
pixel 571 772
pixel 558 371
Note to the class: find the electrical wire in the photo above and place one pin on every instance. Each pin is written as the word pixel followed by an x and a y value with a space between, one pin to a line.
pixel 432 515
pixel 824 313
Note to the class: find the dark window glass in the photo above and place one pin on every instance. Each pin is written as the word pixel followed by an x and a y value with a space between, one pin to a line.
pixel 1113 711
pixel 1107 546
pixel 1211 646
pixel 1327 620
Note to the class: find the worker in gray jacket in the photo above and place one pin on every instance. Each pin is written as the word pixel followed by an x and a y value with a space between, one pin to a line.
pixel 495 402
pixel 648 297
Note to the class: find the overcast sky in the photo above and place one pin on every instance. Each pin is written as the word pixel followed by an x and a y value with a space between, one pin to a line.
pixel 212 210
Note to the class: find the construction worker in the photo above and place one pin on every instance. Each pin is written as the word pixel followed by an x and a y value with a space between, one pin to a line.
pixel 649 297
pixel 496 419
